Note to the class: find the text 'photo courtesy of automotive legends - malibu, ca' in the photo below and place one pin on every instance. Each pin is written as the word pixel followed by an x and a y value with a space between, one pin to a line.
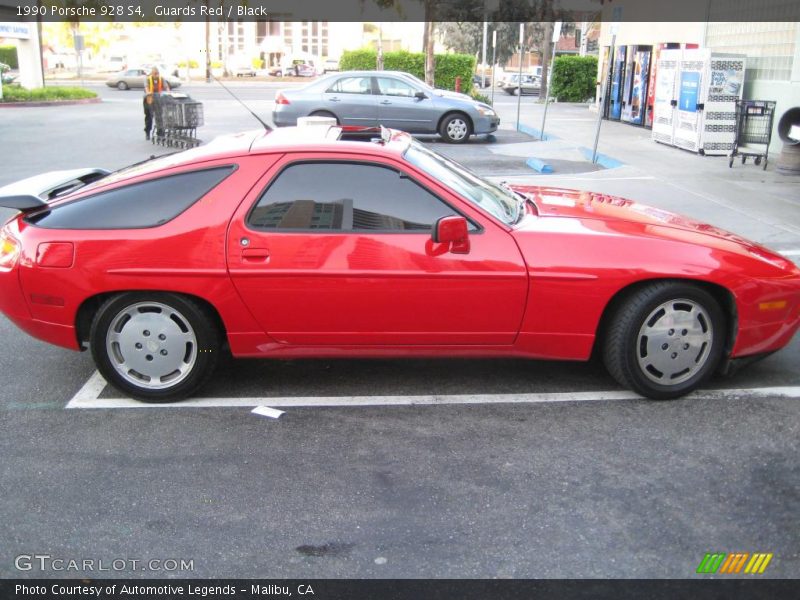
pixel 326 242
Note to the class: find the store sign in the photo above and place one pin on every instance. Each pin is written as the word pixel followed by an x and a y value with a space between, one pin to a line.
pixel 21 31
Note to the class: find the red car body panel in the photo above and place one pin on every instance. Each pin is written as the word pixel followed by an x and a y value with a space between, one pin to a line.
pixel 537 289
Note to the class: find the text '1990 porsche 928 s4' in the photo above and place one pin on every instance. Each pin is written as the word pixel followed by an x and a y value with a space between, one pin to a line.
pixel 304 243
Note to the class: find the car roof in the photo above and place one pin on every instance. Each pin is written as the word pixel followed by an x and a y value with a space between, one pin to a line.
pixel 259 141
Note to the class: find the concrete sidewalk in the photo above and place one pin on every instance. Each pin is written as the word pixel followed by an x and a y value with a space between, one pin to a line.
pixel 760 205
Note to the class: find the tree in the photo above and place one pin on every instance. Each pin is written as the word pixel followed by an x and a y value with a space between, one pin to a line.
pixel 428 42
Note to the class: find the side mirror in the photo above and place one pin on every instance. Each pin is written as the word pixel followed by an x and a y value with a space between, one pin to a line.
pixel 452 230
pixel 420 96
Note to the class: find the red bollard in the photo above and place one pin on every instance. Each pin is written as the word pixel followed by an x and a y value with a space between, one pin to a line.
pixel 458 84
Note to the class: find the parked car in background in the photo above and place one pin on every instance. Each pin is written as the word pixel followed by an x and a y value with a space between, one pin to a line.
pixel 329 66
pixel 5 74
pixel 298 66
pixel 244 71
pixel 389 98
pixel 527 85
pixel 479 81
pixel 297 243
pixel 135 78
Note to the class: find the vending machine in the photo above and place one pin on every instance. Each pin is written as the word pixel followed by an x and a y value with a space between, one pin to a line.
pixel 617 75
pixel 634 92
pixel 695 99
pixel 664 102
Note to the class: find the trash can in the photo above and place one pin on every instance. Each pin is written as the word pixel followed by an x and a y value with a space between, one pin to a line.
pixel 789 132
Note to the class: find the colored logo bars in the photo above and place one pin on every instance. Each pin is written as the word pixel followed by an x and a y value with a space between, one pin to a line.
pixel 733 563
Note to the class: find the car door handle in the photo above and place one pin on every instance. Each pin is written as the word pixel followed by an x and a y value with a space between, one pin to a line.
pixel 333 100
pixel 386 102
pixel 255 255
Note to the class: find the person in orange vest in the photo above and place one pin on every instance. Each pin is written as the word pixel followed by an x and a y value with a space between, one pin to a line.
pixel 153 84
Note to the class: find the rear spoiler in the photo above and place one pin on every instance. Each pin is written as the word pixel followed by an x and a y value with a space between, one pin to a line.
pixel 34 192
pixel 23 203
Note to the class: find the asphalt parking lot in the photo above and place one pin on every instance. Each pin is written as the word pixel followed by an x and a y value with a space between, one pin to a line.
pixel 385 468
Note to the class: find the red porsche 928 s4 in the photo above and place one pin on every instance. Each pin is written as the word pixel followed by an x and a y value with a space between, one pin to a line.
pixel 299 243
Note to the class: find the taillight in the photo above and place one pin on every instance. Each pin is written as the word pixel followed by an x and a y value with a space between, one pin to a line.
pixel 281 99
pixel 9 251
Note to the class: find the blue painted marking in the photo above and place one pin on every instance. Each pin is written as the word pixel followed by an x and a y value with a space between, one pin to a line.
pixel 602 160
pixel 539 165
pixel 532 131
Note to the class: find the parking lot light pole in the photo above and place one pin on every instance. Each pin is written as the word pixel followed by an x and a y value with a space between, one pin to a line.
pixel 556 36
pixel 602 107
pixel 519 80
pixel 483 56
pixel 494 61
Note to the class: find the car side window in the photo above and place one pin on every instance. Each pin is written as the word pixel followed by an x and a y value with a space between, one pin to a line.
pixel 352 85
pixel 338 196
pixel 139 205
pixel 389 86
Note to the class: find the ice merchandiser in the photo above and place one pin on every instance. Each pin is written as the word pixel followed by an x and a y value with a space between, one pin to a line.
pixel 695 99
pixel 634 92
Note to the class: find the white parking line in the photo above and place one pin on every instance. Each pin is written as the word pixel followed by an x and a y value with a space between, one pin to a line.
pixel 87 397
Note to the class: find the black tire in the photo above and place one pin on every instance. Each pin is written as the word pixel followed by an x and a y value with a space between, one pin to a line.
pixel 122 86
pixel 696 344
pixel 170 323
pixel 455 128
pixel 324 113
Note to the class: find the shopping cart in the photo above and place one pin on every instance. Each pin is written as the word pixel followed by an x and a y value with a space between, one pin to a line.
pixel 177 118
pixel 753 131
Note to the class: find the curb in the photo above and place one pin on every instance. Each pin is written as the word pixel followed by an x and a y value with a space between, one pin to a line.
pixel 40 103
pixel 539 165
pixel 532 131
pixel 603 160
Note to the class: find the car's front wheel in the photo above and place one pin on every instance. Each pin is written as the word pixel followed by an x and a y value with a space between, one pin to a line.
pixel 455 129
pixel 156 347
pixel 122 86
pixel 665 339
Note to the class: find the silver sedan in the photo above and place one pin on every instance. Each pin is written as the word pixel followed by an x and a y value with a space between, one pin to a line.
pixel 134 78
pixel 389 98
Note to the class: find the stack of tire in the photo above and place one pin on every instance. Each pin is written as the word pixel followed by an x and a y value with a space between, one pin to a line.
pixel 788 126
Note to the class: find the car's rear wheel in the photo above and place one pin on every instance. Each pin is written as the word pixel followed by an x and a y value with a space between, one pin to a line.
pixel 324 113
pixel 665 339
pixel 156 347
pixel 122 86
pixel 455 129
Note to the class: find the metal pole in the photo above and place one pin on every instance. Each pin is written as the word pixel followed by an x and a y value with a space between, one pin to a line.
pixel 208 50
pixel 545 76
pixel 547 95
pixel 483 57
pixel 494 61
pixel 519 81
pixel 602 107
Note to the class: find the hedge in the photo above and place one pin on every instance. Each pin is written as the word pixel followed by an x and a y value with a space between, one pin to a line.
pixel 448 66
pixel 8 55
pixel 574 78
pixel 12 93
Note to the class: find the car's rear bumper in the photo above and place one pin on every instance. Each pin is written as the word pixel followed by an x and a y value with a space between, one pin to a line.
pixel 283 119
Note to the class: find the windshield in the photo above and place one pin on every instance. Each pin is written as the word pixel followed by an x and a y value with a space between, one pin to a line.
pixel 497 201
